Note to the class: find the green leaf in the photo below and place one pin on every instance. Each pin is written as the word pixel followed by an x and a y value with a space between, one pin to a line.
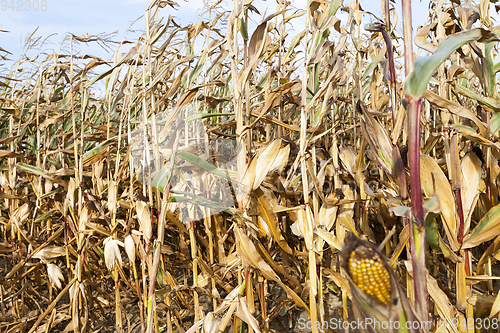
pixel 334 6
pixel 197 200
pixel 197 68
pixel 206 115
pixel 374 63
pixel 295 41
pixel 243 28
pixel 490 103
pixel 495 123
pixel 195 160
pixel 417 81
pixel 491 73
pixel 432 209
pixel 45 215
pixel 95 151
pixel 431 231
pixel 285 309
pixel 161 179
pixel 34 170
pixel 404 211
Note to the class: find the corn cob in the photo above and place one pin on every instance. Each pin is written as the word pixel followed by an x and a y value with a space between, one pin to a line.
pixel 368 272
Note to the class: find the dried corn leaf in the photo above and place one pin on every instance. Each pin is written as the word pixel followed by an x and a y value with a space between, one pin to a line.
pixel 488 228
pixel 9 154
pixel 50 252
pixel 454 108
pixel 348 158
pixel 495 308
pixel 434 182
pixel 267 161
pixel 377 138
pixel 470 176
pixel 443 305
pixel 244 313
pixel 265 211
pixel 246 249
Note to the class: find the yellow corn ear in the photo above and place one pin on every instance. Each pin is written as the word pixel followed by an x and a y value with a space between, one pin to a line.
pixel 368 272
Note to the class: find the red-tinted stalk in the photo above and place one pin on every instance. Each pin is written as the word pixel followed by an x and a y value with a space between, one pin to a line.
pixel 385 30
pixel 417 232
pixel 460 211
pixel 414 109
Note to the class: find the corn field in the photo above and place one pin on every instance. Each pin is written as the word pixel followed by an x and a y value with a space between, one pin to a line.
pixel 268 177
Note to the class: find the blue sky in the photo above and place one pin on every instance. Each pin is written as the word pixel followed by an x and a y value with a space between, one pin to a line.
pixel 95 17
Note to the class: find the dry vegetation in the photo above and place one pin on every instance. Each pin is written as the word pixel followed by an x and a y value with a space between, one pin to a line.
pixel 213 185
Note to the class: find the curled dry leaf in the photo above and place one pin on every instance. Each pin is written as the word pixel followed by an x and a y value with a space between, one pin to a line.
pixel 70 196
pixel 83 218
pixel 130 248
pixel 20 215
pixel 425 66
pixel 112 252
pixel 422 36
pixel 48 183
pixel 348 157
pixel 112 196
pixel 144 217
pixel 375 291
pixel 265 212
pixel 50 252
pixel 55 275
pixel 269 160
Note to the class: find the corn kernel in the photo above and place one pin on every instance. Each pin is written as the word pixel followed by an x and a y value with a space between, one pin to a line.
pixel 369 273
